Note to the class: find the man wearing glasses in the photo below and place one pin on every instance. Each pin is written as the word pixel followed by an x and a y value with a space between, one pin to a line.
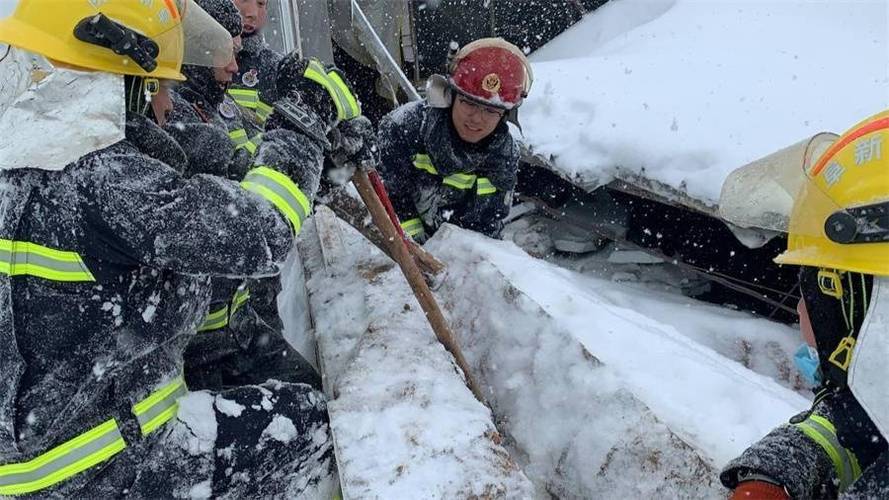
pixel 450 157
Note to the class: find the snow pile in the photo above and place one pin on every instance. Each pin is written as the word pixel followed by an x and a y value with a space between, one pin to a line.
pixel 537 344
pixel 404 423
pixel 196 412
pixel 684 91
pixel 659 291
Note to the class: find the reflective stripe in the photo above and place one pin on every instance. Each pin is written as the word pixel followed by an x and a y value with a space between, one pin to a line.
pixel 246 98
pixel 423 162
pixel 90 448
pixel 19 258
pixel 822 431
pixel 238 137
pixel 160 406
pixel 63 461
pixel 484 186
pixel 351 104
pixel 413 227
pixel 346 104
pixel 281 192
pixel 459 181
pixel 238 300
pixel 263 111
pixel 215 320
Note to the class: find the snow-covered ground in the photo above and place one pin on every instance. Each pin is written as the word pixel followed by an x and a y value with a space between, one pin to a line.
pixel 684 91
pixel 599 387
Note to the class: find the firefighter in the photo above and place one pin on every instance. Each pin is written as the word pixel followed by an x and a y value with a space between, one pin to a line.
pixel 839 235
pixel 450 157
pixel 235 345
pixel 106 255
pixel 241 341
pixel 254 87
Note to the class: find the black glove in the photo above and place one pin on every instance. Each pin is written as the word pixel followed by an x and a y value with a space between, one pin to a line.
pixel 207 147
pixel 291 82
pixel 354 144
pixel 292 114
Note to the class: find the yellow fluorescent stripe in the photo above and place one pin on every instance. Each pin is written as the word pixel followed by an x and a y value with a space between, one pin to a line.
pixel 28 247
pixel 75 468
pixel 275 200
pixel 354 107
pixel 62 449
pixel 42 272
pixel 288 184
pixel 162 418
pixel 142 406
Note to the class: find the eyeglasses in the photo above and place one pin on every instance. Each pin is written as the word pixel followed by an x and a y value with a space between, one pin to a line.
pixel 486 111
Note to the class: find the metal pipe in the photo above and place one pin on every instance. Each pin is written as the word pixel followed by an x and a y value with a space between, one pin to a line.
pixel 380 54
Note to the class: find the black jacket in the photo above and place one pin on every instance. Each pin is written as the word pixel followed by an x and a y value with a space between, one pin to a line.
pixel 469 185
pixel 76 353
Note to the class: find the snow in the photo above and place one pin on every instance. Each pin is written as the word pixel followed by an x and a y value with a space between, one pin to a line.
pixel 404 423
pixel 684 91
pixel 655 343
pixel 229 407
pixel 204 489
pixel 675 388
pixel 196 412
pixel 280 429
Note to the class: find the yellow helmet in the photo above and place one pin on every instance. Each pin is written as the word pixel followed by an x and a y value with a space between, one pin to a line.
pixel 840 217
pixel 150 38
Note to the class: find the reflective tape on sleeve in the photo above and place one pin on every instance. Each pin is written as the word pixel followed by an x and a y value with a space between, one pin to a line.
pixel 238 137
pixel 413 227
pixel 822 431
pixel 240 297
pixel 62 462
pixel 283 193
pixel 160 406
pixel 18 258
pixel 484 187
pixel 90 448
pixel 343 99
pixel 216 319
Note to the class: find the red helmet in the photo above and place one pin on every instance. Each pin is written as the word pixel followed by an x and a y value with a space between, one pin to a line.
pixel 493 72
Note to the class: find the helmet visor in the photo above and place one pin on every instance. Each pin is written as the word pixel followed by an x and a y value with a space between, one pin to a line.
pixel 207 43
pixel 761 194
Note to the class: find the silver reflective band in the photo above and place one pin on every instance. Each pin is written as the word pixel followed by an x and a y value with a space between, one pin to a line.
pixel 820 430
pixel 346 105
pixel 62 462
pixel 19 258
pixel 281 192
pixel 90 448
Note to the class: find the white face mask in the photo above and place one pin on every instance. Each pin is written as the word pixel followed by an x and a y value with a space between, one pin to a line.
pixel 50 117
pixel 869 370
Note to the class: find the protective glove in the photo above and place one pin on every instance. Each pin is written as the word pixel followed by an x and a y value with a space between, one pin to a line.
pixel 308 96
pixel 759 490
pixel 207 147
pixel 354 144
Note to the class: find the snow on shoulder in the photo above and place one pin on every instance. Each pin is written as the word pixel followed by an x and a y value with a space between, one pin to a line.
pixel 682 92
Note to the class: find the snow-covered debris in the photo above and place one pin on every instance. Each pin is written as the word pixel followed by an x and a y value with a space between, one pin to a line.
pixel 280 429
pixel 643 339
pixel 404 423
pixel 198 435
pixel 682 92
